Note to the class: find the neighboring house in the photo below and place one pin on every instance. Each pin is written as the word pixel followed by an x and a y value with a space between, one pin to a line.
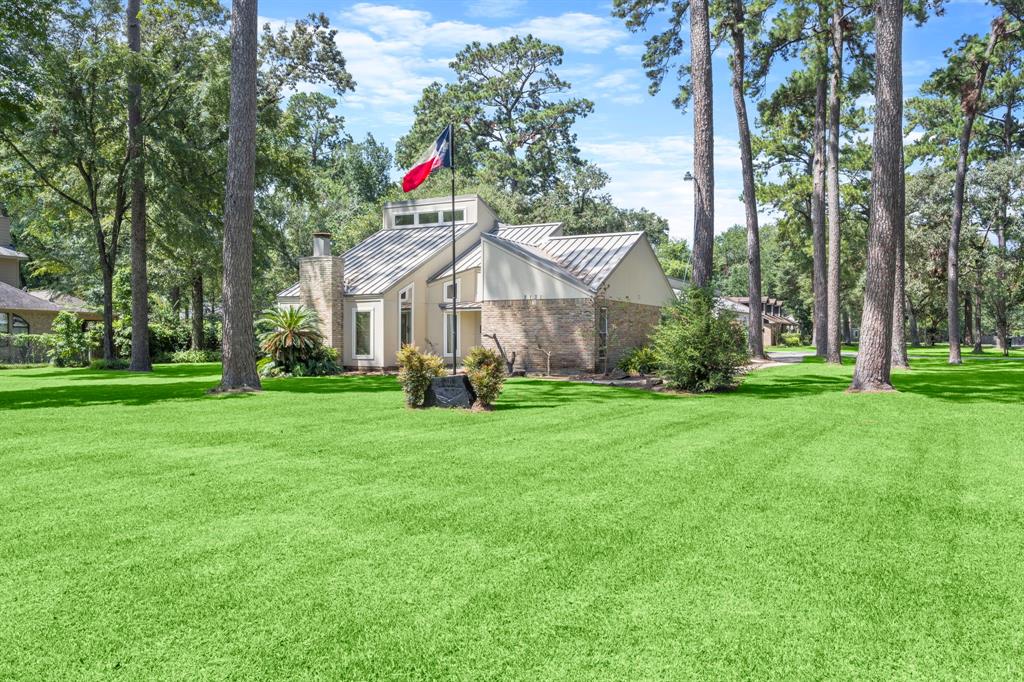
pixel 774 321
pixel 584 299
pixel 28 312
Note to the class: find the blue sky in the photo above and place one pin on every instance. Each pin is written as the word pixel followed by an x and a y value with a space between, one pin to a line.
pixel 395 49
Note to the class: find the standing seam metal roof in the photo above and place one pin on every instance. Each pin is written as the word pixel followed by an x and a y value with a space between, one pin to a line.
pixel 593 257
pixel 533 235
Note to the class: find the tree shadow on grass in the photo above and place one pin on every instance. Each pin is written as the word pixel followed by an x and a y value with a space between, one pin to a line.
pixel 153 389
pixel 972 382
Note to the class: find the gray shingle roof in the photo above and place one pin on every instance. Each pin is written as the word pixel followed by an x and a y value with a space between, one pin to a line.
pixel 7 252
pixel 13 298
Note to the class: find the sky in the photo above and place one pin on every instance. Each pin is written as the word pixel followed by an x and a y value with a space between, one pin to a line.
pixel 396 49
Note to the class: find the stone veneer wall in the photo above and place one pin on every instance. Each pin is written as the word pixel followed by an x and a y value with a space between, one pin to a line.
pixel 629 326
pixel 566 327
pixel 321 279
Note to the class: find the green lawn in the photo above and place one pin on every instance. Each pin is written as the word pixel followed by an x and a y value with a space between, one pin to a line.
pixel 939 350
pixel 319 529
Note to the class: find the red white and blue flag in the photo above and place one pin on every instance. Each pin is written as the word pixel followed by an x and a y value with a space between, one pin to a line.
pixel 437 155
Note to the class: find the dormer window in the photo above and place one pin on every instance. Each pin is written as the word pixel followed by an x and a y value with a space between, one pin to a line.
pixel 460 215
pixel 404 219
pixel 428 218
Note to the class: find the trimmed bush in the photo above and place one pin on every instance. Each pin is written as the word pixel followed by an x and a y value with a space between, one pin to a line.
pixel 791 339
pixel 697 347
pixel 486 373
pixel 195 356
pixel 415 370
pixel 640 360
pixel 116 363
pixel 69 344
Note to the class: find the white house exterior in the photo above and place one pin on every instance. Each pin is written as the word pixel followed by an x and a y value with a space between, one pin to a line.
pixel 584 299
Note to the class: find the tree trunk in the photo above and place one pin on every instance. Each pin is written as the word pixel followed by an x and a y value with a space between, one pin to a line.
pixel 968 316
pixel 1002 318
pixel 847 332
pixel 197 312
pixel 969 104
pixel 107 275
pixel 834 346
pixel 819 278
pixel 755 341
pixel 140 280
pixel 976 321
pixel 872 371
pixel 915 336
pixel 703 144
pixel 239 368
pixel 174 295
pixel 899 315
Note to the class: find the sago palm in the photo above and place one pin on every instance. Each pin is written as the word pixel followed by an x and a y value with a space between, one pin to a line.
pixel 292 334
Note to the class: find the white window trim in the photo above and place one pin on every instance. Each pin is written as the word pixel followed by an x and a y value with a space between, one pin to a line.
pixel 458 332
pixel 355 312
pixel 412 312
pixel 458 290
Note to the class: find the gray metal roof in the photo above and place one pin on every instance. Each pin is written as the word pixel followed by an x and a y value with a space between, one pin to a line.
pixel 539 258
pixel 386 257
pixel 13 298
pixel 521 234
pixel 591 257
pixel 6 252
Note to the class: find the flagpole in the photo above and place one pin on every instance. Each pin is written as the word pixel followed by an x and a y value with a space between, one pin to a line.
pixel 455 305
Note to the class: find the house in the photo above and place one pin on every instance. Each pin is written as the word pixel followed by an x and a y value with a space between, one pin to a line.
pixel 28 312
pixel 578 301
pixel 774 321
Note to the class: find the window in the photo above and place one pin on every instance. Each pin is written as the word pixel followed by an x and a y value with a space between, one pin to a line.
pixel 451 330
pixel 12 324
pixel 405 316
pixel 404 219
pixel 364 333
pixel 428 218
pixel 460 215
pixel 448 290
pixel 602 338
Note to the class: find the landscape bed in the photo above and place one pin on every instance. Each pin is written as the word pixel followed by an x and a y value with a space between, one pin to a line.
pixel 321 529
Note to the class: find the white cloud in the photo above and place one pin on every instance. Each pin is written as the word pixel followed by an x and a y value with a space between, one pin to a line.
pixel 494 9
pixel 648 173
pixel 630 50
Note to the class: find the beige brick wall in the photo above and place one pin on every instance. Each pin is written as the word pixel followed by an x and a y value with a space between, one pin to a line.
pixel 320 287
pixel 39 322
pixel 566 327
pixel 629 326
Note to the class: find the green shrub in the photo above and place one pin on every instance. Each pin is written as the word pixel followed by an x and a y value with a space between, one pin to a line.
pixel 69 344
pixel 698 348
pixel 415 370
pixel 291 338
pixel 25 349
pixel 791 339
pixel 486 373
pixel 640 360
pixel 116 363
pixel 194 356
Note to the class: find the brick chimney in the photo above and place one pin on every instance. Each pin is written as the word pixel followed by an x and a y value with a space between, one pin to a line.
pixel 321 283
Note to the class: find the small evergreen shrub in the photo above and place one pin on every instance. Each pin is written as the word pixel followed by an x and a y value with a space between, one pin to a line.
pixel 116 363
pixel 791 339
pixel 194 356
pixel 486 373
pixel 698 348
pixel 640 360
pixel 415 370
pixel 68 342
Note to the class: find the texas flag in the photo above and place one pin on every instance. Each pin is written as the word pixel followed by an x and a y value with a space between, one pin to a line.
pixel 438 155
